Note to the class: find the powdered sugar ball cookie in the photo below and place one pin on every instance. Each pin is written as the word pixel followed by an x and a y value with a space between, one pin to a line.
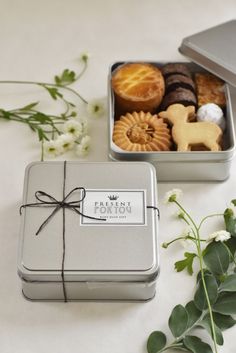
pixel 213 113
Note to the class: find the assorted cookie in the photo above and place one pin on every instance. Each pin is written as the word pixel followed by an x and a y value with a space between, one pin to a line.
pixel 138 86
pixel 167 108
pixel 141 132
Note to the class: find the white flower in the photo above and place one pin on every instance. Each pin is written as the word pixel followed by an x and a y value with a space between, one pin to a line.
pixel 52 148
pixel 96 108
pixel 84 57
pixel 179 214
pixel 172 195
pixel 66 141
pixel 74 128
pixel 83 148
pixel 221 235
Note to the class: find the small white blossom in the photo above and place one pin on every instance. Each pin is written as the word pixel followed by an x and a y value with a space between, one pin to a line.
pixel 83 148
pixel 172 195
pixel 221 235
pixel 52 148
pixel 96 108
pixel 179 214
pixel 66 141
pixel 73 128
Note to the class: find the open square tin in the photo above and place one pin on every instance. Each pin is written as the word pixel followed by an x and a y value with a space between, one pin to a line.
pixel 105 251
pixel 209 52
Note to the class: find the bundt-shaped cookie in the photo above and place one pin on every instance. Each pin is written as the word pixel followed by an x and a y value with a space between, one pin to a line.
pixel 141 132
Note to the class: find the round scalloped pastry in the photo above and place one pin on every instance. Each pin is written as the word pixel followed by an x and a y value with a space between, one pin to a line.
pixel 138 86
pixel 141 132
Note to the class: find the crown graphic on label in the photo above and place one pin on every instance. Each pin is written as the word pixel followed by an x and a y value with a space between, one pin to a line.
pixel 113 197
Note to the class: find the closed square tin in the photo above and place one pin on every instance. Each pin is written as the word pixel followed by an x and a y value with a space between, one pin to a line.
pixel 89 231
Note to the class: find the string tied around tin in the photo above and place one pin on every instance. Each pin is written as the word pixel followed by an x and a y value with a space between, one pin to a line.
pixel 46 200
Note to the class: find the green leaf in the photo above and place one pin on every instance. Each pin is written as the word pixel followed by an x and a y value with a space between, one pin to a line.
pixel 41 118
pixel 41 135
pixel 193 313
pixel 230 221
pixel 226 304
pixel 53 91
pixel 67 77
pixel 178 320
pixel 231 244
pixel 5 115
pixel 223 321
pixel 206 323
pixel 217 258
pixel 212 290
pixel 229 285
pixel 196 345
pixel 156 342
pixel 186 263
pixel 29 106
pixel 199 275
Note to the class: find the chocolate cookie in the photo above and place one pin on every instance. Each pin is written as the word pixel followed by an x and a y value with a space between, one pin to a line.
pixel 175 81
pixel 180 95
pixel 175 69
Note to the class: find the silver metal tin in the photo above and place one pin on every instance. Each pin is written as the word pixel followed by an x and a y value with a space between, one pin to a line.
pixel 215 50
pixel 180 166
pixel 103 261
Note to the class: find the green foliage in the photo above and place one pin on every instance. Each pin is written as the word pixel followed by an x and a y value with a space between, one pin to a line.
pixel 196 345
pixel 186 263
pixel 226 304
pixel 217 258
pixel 194 314
pixel 229 285
pixel 178 321
pixel 230 221
pixel 223 321
pixel 212 289
pixel 156 342
pixel 53 91
pixel 206 323
pixel 66 78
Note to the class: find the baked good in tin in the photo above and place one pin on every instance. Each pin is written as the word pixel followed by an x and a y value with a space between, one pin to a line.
pixel 141 131
pixel 179 81
pixel 179 95
pixel 137 86
pixel 210 89
pixel 175 69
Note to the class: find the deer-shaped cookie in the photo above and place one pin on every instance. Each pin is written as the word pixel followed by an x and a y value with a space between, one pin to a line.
pixel 185 134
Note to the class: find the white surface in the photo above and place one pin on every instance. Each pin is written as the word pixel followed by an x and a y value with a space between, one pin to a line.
pixel 38 39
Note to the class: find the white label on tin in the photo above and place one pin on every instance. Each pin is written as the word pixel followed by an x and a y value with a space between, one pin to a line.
pixel 114 207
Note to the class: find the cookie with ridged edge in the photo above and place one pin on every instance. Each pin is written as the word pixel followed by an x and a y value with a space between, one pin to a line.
pixel 141 131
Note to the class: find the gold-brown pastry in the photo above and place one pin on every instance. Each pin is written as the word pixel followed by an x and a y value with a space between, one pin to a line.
pixel 141 132
pixel 210 89
pixel 137 87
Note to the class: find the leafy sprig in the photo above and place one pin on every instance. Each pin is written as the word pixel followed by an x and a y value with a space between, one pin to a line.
pixel 214 302
pixel 48 126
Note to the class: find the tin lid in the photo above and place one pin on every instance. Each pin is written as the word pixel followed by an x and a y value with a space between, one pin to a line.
pixel 126 243
pixel 215 50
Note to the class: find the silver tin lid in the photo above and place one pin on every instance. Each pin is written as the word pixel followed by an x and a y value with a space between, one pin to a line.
pixel 94 250
pixel 215 50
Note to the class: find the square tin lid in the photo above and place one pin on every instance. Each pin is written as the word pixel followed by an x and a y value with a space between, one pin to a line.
pixel 93 248
pixel 215 50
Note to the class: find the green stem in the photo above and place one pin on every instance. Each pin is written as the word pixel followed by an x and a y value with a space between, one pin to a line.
pixel 199 251
pixel 42 150
pixel 45 84
pixel 205 218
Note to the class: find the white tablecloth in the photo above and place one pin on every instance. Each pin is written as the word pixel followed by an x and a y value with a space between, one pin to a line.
pixel 38 39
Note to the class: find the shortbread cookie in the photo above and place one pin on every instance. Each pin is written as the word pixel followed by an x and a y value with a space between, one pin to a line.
pixel 137 87
pixel 141 132
pixel 180 95
pixel 210 89
pixel 186 134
